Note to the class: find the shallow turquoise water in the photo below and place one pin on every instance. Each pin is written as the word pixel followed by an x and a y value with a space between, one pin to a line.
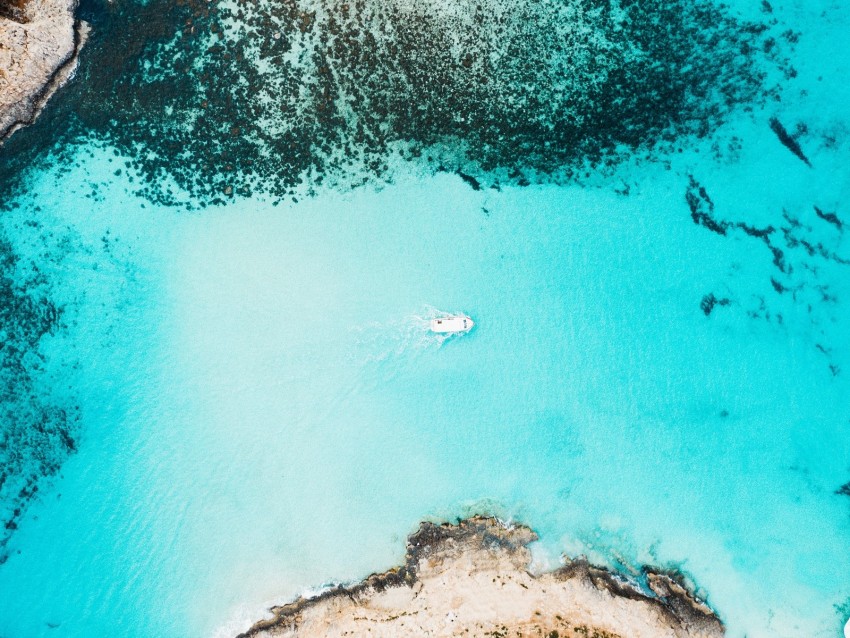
pixel 265 412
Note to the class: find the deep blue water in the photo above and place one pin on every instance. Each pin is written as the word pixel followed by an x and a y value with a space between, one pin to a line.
pixel 658 372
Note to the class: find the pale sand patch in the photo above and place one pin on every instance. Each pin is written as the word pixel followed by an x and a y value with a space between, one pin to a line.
pixel 472 579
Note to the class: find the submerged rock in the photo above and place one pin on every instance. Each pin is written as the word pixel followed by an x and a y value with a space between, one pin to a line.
pixel 39 44
pixel 710 300
pixel 472 579
pixel 788 141
pixel 37 431
pixel 285 96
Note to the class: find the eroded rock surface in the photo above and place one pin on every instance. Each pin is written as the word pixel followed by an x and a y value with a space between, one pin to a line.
pixel 472 579
pixel 39 43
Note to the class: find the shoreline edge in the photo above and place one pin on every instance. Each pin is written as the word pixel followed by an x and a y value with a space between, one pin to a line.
pixel 472 579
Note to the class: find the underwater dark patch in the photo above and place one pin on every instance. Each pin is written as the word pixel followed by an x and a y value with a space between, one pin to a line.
pixel 36 433
pixel 710 300
pixel 829 218
pixel 799 254
pixel 300 93
pixel 789 141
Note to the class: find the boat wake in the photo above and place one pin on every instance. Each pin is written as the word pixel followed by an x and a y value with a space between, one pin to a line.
pixel 408 335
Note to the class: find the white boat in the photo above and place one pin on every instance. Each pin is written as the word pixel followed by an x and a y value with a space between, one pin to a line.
pixel 847 629
pixel 452 323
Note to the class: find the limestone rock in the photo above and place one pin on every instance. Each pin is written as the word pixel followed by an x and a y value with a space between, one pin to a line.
pixel 472 579
pixel 39 43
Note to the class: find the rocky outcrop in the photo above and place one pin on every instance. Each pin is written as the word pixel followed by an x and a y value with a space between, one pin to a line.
pixel 472 579
pixel 39 44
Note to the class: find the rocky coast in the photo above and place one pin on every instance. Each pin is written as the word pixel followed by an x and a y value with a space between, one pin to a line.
pixel 473 579
pixel 39 44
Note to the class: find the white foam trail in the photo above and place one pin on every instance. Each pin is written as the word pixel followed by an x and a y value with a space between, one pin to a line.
pixel 378 342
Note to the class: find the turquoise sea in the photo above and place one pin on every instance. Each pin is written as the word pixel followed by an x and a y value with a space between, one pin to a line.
pixel 250 404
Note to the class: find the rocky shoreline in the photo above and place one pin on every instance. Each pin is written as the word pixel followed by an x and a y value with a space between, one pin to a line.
pixel 472 579
pixel 40 41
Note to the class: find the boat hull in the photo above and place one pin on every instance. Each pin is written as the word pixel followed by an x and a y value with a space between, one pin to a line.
pixel 444 325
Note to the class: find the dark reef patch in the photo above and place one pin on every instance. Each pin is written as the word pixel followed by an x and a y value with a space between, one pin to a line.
pixel 474 184
pixel 800 254
pixel 702 208
pixel 710 300
pixel 305 92
pixel 702 213
pixel 829 218
pixel 788 140
pixel 36 433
